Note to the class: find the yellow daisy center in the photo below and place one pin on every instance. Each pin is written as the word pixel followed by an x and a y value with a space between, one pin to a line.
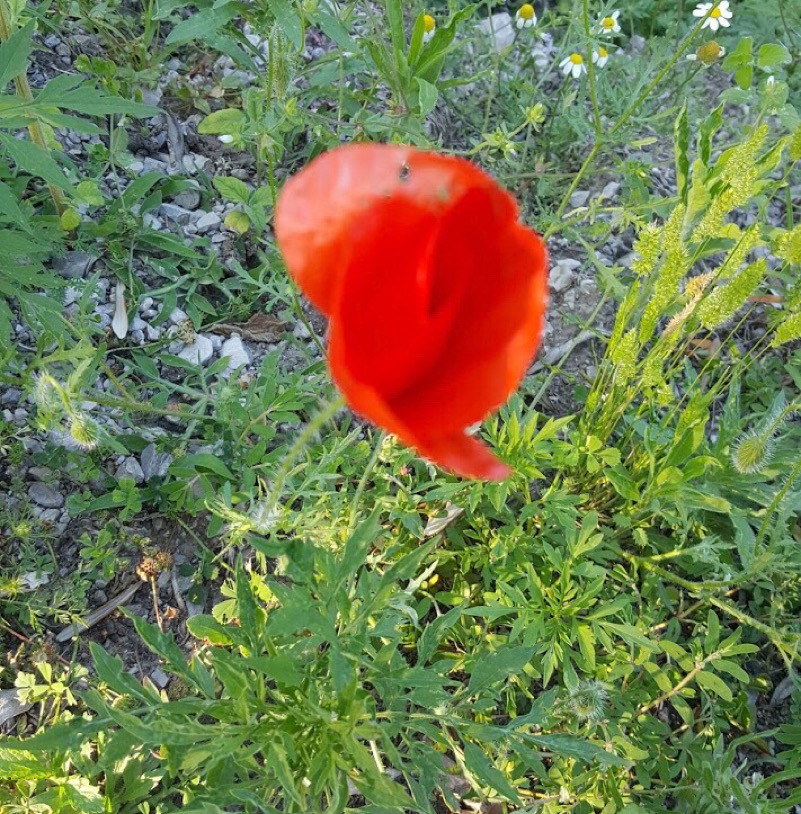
pixel 603 53
pixel 526 11
pixel 576 59
pixel 429 23
pixel 608 22
pixel 715 13
pixel 709 52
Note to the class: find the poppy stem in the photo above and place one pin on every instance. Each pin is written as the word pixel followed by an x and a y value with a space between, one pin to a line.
pixel 368 470
pixel 301 442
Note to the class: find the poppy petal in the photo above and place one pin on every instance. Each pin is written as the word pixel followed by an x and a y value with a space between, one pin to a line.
pixel 492 344
pixel 464 456
pixel 319 206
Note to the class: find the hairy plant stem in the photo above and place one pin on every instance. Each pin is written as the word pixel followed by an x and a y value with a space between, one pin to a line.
pixel 26 94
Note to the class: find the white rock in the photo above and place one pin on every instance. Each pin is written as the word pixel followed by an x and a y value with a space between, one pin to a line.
pixel 500 28
pixel 199 352
pixel 208 222
pixel 130 470
pixel 579 198
pixel 563 274
pixel 610 191
pixel 236 353
pixel 44 495
pixel 177 316
pixel 154 463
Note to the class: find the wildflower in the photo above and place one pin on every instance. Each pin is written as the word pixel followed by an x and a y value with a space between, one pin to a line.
pixel 718 17
pixel 526 17
pixel 429 27
pixel 611 24
pixel 394 245
pixel 708 53
pixel 600 56
pixel 83 431
pixel 574 64
pixel 225 139
pixel 770 83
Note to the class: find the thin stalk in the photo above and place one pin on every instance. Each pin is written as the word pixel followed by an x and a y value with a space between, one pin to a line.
pixel 25 93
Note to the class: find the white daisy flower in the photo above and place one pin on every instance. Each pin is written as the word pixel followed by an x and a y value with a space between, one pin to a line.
pixel 225 139
pixel 708 53
pixel 574 64
pixel 719 15
pixel 610 24
pixel 429 27
pixel 600 56
pixel 526 17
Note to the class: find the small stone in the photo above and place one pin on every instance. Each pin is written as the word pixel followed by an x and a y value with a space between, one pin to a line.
pixel 10 396
pixel 500 28
pixel 130 469
pixel 188 199
pixel 74 264
pixel 563 274
pixel 41 473
pixel 609 192
pixel 160 678
pixel 155 464
pixel 236 353
pixel 136 167
pixel 177 316
pixel 152 96
pixel 46 496
pixel 198 352
pixel 208 222
pixel 153 333
pixel 52 41
pixel 175 213
pixel 579 198
pixel 154 165
pixel 146 303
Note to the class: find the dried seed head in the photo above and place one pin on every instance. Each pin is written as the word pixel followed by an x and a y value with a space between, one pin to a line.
pixel 588 701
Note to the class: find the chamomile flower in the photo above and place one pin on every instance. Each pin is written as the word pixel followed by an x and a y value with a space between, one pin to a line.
pixel 429 27
pixel 600 56
pixel 574 64
pixel 610 25
pixel 526 17
pixel 708 53
pixel 718 17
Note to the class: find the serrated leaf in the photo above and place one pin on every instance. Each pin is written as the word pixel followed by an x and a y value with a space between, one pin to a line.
pixel 34 160
pixel 232 188
pixel 488 775
pixel 498 666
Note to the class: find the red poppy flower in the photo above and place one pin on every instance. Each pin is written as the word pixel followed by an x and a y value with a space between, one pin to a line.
pixel 434 290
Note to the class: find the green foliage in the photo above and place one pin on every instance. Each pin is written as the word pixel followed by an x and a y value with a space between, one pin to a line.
pixel 599 633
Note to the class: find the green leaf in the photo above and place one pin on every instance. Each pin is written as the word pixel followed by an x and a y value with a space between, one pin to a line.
pixel 731 668
pixel 34 160
pixel 681 134
pixel 743 76
pixel 488 775
pixel 740 56
pixel 89 192
pixel 289 21
pixel 333 28
pixel 709 681
pixel 498 666
pixel 280 668
pixel 772 54
pixel 232 188
pixel 395 20
pixel 14 53
pixel 203 460
pixel 571 746
pixel 9 208
pixel 207 627
pixel 203 23
pixel 222 122
pixel 237 221
pixel 70 219
pixel 428 95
